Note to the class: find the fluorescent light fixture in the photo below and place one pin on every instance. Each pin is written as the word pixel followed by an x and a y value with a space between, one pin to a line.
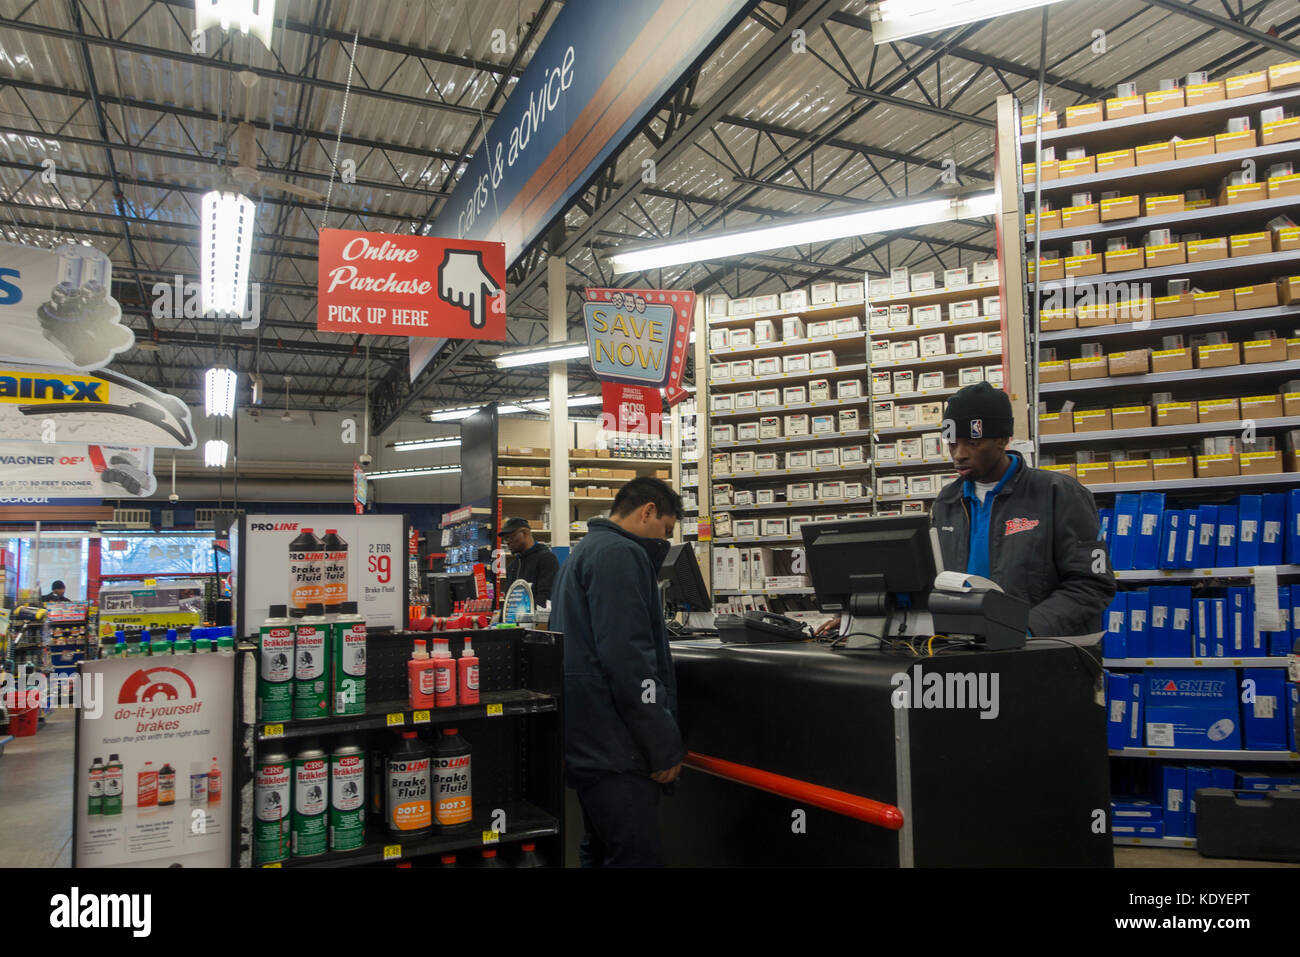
pixel 898 19
pixel 220 391
pixel 528 405
pixel 214 453
pixel 452 415
pixel 226 249
pixel 419 445
pixel 864 222
pixel 413 473
pixel 248 16
pixel 575 401
pixel 534 355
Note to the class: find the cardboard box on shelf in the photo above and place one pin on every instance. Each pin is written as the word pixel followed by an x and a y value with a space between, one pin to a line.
pixel 1250 244
pixel 1131 417
pixel 1261 406
pixel 1207 250
pixel 1169 254
pixel 1136 362
pixel 1174 307
pixel 1280 131
pixel 1028 122
pixel 1217 466
pixel 1084 114
pixel 1053 372
pixel 1288 289
pixel 1092 420
pixel 1246 84
pixel 1055 423
pixel 1050 269
pixel 1120 207
pixel 1162 101
pixel 1085 166
pixel 1218 356
pixel 1218 410
pixel 1231 142
pixel 1134 470
pixel 1175 413
pixel 1257 297
pixel 1172 469
pixel 1221 300
pixel 1079 266
pixel 1095 473
pixel 1052 320
pixel 1133 310
pixel 1115 160
pixel 1062 469
pixel 1122 107
pixel 1030 171
pixel 1280 187
pixel 1164 205
pixel 1263 350
pixel 1260 463
pixel 1198 94
pixel 1088 368
pixel 1171 360
pixel 1088 215
pixel 1191 149
pixel 1098 315
pixel 1243 193
pixel 1292 350
pixel 1284 74
pixel 1125 260
pixel 1152 154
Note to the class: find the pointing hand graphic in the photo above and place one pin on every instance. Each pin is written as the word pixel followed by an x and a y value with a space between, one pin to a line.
pixel 464 282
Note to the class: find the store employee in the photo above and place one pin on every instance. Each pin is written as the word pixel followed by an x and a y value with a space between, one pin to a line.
pixel 1034 533
pixel 531 560
pixel 56 593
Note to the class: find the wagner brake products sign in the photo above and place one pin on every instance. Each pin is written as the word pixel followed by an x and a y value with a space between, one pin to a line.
pixel 68 471
pixel 375 557
pixel 160 735
pixel 385 284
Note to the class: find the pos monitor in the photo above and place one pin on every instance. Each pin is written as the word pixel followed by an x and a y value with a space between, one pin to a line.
pixel 866 568
pixel 680 582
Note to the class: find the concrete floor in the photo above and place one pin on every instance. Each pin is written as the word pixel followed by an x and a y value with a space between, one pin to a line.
pixel 36 796
pixel 36 777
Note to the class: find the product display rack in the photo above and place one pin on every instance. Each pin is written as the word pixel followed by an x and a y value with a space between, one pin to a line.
pixel 1153 440
pixel 515 730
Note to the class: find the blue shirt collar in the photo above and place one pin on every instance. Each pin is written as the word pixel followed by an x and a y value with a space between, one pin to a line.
pixel 968 487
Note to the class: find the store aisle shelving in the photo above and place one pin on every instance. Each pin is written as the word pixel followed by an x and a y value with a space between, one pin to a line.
pixel 36 795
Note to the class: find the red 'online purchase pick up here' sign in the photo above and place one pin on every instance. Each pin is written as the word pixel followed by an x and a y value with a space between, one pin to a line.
pixel 386 284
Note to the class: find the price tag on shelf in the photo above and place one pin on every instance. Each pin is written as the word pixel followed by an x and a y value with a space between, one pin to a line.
pixel 491 837
pixel 495 710
pixel 273 731
pixel 420 717
pixel 275 864
pixel 396 717
pixel 392 852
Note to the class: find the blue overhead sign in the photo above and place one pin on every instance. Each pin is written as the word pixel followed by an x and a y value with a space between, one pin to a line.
pixel 601 69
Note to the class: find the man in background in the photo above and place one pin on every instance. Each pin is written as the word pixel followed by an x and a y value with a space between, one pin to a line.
pixel 56 593
pixel 622 743
pixel 530 560
pixel 1035 533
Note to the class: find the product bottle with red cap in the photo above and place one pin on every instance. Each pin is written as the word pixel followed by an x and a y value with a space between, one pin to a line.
pixel 467 671
pixel 490 858
pixel 444 673
pixel 448 860
pixel 420 677
pixel 529 857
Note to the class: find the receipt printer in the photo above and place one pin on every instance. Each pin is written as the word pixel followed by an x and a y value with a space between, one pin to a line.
pixel 994 618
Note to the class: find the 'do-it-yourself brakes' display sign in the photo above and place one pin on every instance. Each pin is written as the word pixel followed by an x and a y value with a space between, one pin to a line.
pixel 386 284
pixel 638 341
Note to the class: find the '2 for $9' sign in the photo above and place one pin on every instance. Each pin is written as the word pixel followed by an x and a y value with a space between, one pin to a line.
pixel 630 339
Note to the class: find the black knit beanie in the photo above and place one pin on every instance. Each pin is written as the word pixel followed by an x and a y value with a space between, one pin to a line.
pixel 980 412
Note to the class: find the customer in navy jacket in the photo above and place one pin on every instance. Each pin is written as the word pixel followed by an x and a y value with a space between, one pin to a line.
pixel 622 743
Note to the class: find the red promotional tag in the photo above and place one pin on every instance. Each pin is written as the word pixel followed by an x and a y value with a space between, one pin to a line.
pixel 633 408
pixel 386 284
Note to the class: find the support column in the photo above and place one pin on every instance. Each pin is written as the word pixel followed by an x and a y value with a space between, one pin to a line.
pixel 558 320
pixel 1018 317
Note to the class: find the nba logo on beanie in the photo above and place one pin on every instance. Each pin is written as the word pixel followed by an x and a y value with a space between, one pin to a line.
pixel 977 428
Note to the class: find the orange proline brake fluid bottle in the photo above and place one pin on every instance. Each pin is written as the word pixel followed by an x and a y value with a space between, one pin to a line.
pixel 408 787
pixel 452 793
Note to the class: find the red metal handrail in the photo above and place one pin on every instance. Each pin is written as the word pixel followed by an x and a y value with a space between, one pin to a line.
pixel 828 799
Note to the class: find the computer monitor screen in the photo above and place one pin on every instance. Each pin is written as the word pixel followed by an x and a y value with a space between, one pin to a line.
pixel 681 579
pixel 447 589
pixel 870 556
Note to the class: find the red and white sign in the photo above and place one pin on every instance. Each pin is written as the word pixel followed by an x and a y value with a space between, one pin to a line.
pixel 626 329
pixel 386 284
pixel 633 407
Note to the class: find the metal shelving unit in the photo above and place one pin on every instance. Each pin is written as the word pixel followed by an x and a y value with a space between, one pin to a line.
pixel 1213 319
pixel 1199 484
pixel 786 440
pixel 1125 840
pixel 1156 433
pixel 1195 662
pixel 1174 574
pixel 1190 754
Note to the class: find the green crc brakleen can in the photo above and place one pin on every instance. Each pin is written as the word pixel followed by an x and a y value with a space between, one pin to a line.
pixel 347 814
pixel 275 670
pixel 272 798
pixel 311 782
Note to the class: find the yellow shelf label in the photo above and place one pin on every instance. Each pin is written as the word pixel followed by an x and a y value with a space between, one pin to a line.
pixel 273 731
pixel 491 837
pixel 495 710
pixel 420 717
pixel 396 718
pixel 275 864
pixel 392 852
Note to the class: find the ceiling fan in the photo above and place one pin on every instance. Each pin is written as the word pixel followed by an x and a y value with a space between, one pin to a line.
pixel 244 176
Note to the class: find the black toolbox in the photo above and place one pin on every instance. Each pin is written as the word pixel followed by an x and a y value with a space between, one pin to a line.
pixel 1257 825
